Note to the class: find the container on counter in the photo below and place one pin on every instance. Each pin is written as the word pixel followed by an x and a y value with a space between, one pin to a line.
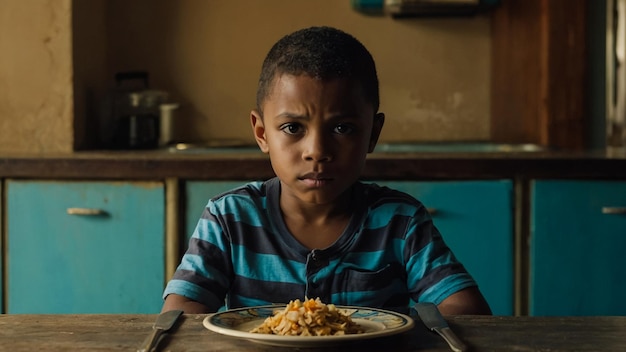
pixel 139 126
pixel 135 116
pixel 167 125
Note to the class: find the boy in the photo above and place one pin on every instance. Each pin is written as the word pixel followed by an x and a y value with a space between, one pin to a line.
pixel 314 230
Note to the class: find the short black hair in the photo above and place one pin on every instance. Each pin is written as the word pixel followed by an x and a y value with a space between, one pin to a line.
pixel 323 53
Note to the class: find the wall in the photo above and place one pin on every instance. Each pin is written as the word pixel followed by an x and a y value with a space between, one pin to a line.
pixel 89 63
pixel 36 97
pixel 434 73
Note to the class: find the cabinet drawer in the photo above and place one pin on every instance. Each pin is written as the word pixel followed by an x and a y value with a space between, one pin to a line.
pixel 85 247
pixel 577 248
pixel 1 247
pixel 475 219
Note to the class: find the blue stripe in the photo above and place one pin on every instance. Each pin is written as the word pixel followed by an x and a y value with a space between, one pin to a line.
pixel 449 285
pixel 362 260
pixel 266 267
pixel 210 231
pixel 418 236
pixel 240 208
pixel 422 261
pixel 372 260
pixel 362 297
pixel 196 264
pixel 381 216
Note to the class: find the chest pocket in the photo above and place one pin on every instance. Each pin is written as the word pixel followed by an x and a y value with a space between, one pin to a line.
pixel 383 288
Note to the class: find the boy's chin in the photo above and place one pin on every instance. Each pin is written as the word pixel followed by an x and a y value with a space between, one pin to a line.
pixel 330 197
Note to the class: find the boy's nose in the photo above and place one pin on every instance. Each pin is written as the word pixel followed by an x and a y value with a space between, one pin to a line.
pixel 316 148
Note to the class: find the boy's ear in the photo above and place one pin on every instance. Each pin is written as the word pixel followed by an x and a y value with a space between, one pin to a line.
pixel 377 126
pixel 258 128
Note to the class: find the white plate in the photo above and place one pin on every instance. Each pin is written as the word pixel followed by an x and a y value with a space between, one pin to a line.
pixel 238 323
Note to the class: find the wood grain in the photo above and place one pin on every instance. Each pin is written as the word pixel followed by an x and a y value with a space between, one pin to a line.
pixel 242 167
pixel 539 73
pixel 110 332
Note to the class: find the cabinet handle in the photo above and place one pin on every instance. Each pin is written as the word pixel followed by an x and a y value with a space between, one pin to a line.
pixel 86 211
pixel 432 211
pixel 614 210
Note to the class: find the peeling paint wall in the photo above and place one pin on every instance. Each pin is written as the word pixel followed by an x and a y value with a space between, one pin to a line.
pixel 434 73
pixel 36 96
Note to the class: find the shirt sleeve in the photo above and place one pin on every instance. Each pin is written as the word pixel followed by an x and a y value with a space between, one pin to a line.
pixel 433 272
pixel 204 271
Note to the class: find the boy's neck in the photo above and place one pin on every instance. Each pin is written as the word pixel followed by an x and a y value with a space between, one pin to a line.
pixel 317 226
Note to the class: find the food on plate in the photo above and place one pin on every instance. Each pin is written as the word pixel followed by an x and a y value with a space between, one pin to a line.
pixel 308 318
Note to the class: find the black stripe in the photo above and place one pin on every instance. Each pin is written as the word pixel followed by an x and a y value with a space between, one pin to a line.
pixel 424 234
pixel 357 281
pixel 270 291
pixel 202 281
pixel 219 260
pixel 259 240
pixel 240 233
pixel 377 195
pixel 435 275
pixel 247 190
pixel 207 215
pixel 372 240
pixel 399 301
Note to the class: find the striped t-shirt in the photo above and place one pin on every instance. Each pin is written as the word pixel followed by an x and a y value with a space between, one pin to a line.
pixel 242 253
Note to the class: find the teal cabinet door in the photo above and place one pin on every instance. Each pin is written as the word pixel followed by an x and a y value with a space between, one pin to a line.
pixel 475 219
pixel 1 248
pixel 197 195
pixel 578 248
pixel 85 247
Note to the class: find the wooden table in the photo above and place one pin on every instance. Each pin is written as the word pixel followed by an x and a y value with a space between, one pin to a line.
pixel 125 332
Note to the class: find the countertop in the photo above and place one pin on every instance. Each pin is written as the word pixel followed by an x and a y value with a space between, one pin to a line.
pixel 125 332
pixel 252 165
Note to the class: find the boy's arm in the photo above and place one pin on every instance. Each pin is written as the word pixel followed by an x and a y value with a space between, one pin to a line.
pixel 467 301
pixel 174 301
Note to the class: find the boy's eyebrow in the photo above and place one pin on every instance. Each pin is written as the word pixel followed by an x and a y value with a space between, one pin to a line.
pixel 291 115
pixel 337 116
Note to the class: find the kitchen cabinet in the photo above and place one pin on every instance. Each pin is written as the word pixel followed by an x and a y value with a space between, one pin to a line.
pixel 577 247
pixel 1 247
pixel 475 219
pixel 197 195
pixel 84 247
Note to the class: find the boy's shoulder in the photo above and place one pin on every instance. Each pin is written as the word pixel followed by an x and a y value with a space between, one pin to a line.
pixel 375 193
pixel 252 189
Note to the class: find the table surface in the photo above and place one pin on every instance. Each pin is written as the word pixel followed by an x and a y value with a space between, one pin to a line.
pixel 126 332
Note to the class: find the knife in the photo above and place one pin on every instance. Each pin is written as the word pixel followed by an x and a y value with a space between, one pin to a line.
pixel 431 317
pixel 164 322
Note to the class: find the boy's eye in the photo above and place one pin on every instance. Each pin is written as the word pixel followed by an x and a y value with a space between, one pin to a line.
pixel 290 128
pixel 344 129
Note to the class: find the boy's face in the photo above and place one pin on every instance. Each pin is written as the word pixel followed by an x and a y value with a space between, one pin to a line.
pixel 317 134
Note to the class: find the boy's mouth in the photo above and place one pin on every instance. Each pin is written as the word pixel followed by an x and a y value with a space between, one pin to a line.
pixel 316 183
pixel 315 180
pixel 315 176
